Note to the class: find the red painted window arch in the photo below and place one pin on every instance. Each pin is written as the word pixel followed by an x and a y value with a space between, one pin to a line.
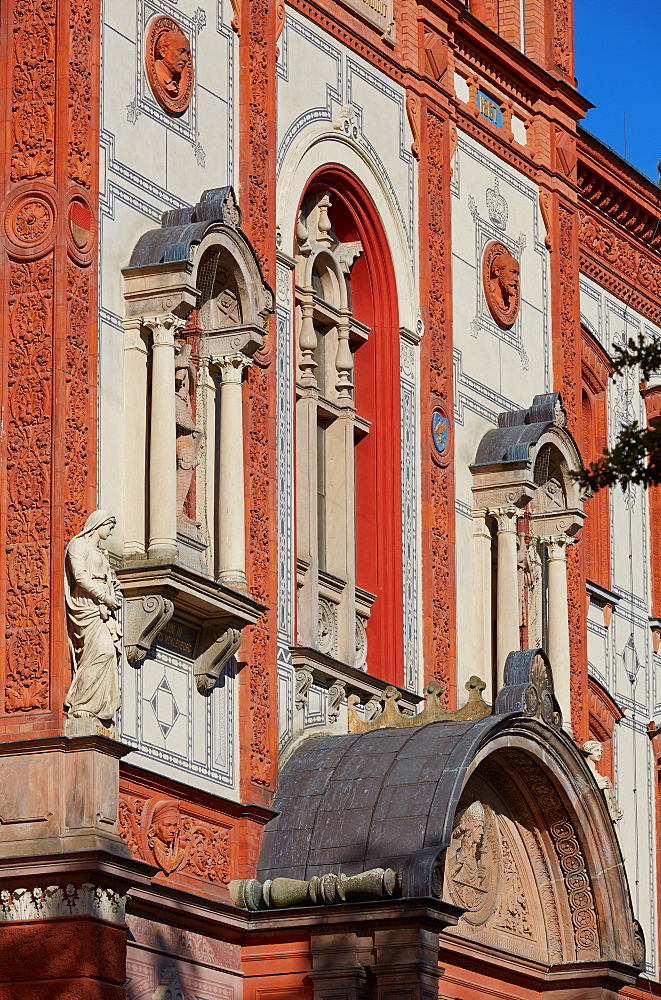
pixel 378 501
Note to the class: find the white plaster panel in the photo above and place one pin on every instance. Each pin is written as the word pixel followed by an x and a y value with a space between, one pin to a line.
pixel 494 370
pixel 177 731
pixel 318 78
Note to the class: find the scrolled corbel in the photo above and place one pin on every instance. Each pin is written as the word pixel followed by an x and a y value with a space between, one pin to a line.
pixel 216 646
pixel 144 617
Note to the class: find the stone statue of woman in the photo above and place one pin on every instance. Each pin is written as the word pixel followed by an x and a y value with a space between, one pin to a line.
pixel 92 597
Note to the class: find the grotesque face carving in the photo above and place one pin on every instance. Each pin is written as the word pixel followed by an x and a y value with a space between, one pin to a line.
pixel 500 275
pixel 169 65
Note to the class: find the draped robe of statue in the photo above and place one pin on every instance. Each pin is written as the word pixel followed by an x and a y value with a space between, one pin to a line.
pixel 93 630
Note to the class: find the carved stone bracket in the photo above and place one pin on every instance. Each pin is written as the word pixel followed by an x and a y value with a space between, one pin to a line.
pixel 216 646
pixel 144 617
pixel 336 695
pixel 378 883
pixel 304 679
pixel 474 709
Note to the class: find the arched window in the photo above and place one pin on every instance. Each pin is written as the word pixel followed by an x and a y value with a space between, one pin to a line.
pixel 348 448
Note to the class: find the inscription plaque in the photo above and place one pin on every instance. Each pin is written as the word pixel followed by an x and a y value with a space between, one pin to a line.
pixel 378 13
pixel 178 639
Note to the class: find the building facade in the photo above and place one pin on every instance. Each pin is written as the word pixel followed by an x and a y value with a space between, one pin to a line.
pixel 322 677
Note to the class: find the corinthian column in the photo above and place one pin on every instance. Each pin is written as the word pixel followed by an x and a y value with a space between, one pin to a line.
pixel 135 437
pixel 231 502
pixel 507 630
pixel 482 600
pixel 163 443
pixel 558 622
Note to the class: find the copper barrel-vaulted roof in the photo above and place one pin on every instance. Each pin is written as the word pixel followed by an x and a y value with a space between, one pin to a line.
pixel 349 803
pixel 390 798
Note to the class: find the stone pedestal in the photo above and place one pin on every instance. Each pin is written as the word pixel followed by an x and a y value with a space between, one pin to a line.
pixel 339 967
pixel 61 795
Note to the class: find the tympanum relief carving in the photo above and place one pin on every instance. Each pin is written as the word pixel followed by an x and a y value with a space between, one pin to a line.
pixel 489 876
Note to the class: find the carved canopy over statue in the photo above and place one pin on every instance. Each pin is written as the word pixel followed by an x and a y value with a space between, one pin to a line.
pixel 92 597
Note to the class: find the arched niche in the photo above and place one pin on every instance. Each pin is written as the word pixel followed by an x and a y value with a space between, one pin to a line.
pixel 198 254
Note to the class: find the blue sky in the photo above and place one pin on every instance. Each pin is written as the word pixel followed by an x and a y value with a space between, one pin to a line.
pixel 618 67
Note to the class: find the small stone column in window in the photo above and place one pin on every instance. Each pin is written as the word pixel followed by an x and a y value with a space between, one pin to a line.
pixel 231 492
pixel 558 622
pixel 163 444
pixel 507 635
pixel 136 358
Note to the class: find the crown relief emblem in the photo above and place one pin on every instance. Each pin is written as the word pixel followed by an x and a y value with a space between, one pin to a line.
pixel 497 206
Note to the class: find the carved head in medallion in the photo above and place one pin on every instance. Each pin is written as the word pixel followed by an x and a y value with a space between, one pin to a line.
pixel 169 64
pixel 500 276
pixel 172 53
pixel 166 822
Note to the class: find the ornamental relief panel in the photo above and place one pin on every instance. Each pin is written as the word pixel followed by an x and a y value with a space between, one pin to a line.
pixel 28 485
pixel 488 873
pixel 33 90
pixel 167 835
pixel 517 867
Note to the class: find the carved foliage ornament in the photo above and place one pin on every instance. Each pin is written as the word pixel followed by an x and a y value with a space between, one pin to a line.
pixel 27 540
pixel 159 832
pixel 169 65
pixel 33 90
pixel 441 388
pixel 500 278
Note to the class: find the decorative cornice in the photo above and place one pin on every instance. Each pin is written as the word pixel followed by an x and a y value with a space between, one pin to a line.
pixel 616 261
pixel 55 901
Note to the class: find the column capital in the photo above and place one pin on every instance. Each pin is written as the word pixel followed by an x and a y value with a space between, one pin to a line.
pixel 506 517
pixel 164 328
pixel 232 365
pixel 556 545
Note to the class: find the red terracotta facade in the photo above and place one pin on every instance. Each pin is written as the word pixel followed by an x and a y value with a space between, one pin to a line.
pixel 601 220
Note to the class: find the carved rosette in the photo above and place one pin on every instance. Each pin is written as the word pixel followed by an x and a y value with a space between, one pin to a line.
pixel 166 834
pixel 174 96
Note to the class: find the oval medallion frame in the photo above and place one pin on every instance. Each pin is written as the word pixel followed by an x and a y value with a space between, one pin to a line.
pixel 174 104
pixel 503 305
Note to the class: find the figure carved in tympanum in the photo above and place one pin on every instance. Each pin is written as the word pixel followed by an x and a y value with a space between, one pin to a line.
pixel 92 600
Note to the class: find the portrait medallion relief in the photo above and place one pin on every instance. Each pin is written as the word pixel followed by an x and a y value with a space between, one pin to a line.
pixel 169 65
pixel 500 277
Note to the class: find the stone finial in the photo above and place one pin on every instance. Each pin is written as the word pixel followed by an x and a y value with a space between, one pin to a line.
pixel 528 687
